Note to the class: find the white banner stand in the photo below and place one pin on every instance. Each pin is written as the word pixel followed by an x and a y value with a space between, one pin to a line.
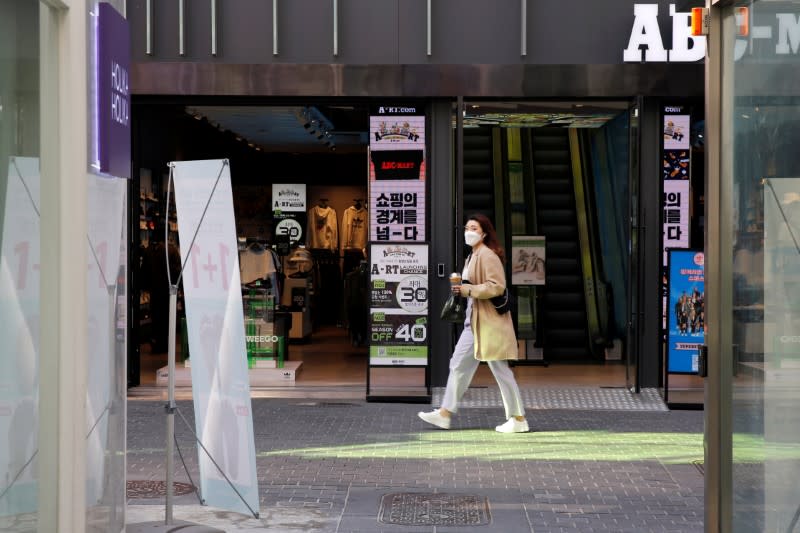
pixel 169 524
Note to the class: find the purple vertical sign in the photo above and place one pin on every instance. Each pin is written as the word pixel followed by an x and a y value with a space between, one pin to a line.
pixel 113 92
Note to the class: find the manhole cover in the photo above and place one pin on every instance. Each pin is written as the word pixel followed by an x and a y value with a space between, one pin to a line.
pixel 421 509
pixel 155 489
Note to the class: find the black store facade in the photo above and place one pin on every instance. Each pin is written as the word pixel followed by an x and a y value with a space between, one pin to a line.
pixel 548 116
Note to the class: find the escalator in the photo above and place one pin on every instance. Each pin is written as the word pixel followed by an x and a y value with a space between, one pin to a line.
pixel 478 172
pixel 571 309
pixel 571 316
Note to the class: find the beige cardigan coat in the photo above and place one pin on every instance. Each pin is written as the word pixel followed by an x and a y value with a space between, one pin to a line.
pixel 494 333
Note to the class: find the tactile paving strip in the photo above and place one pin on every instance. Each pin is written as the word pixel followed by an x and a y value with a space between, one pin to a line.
pixel 434 509
pixel 606 399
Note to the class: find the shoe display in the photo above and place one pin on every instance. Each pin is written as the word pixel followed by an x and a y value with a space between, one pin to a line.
pixel 512 425
pixel 433 417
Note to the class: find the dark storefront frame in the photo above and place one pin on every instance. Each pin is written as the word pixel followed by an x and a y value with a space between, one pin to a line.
pixel 500 59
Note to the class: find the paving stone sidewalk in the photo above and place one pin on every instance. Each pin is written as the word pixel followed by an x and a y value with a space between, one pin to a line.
pixel 352 466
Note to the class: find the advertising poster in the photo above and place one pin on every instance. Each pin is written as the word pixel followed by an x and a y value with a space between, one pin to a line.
pixel 677 164
pixel 398 305
pixel 676 176
pixel 397 174
pixel 19 329
pixel 677 132
pixel 686 305
pixel 215 327
pixel 527 260
pixel 676 214
pixel 289 210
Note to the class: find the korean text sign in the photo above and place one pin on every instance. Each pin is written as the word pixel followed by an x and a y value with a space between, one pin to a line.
pixel 398 304
pixel 397 174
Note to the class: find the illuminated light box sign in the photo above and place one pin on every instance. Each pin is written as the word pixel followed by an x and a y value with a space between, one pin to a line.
pixel 113 107
pixel 397 164
pixel 398 305
pixel 397 174
pixel 398 210
pixel 686 310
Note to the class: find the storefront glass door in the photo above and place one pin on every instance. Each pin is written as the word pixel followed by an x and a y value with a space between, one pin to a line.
pixel 19 263
pixel 634 339
pixel 760 264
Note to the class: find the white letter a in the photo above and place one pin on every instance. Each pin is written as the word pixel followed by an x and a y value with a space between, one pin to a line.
pixel 645 32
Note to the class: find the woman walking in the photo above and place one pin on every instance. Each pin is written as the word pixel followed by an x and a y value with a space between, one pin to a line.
pixel 487 336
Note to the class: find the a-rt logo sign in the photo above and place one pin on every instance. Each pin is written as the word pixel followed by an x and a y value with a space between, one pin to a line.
pixel 646 34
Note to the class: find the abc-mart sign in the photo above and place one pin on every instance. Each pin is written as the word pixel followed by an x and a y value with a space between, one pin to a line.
pixel 646 44
pixel 645 33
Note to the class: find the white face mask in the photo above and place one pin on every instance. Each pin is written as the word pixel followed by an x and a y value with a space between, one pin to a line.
pixel 472 238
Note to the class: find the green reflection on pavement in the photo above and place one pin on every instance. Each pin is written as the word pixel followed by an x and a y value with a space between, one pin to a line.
pixel 484 445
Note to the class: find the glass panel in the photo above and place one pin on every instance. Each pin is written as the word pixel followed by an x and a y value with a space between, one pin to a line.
pixel 609 160
pixel 106 338
pixel 106 322
pixel 19 262
pixel 761 131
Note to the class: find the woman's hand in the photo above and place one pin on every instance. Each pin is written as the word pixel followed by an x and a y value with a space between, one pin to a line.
pixel 459 290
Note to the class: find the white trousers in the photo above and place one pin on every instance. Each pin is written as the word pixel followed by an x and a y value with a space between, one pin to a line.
pixel 462 368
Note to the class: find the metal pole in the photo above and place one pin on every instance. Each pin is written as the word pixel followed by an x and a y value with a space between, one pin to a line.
pixel 149 35
pixel 429 27
pixel 274 27
pixel 335 28
pixel 523 50
pixel 114 437
pixel 173 304
pixel 181 36
pixel 213 27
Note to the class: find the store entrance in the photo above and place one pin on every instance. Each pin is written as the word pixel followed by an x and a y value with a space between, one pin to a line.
pixel 558 179
pixel 299 181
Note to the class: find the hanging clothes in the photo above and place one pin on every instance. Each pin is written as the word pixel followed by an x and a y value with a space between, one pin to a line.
pixel 327 299
pixel 356 301
pixel 323 229
pixel 354 228
pixel 257 262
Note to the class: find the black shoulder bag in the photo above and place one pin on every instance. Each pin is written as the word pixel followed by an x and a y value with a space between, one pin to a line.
pixel 502 303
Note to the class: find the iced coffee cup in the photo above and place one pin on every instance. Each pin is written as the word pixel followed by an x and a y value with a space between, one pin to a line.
pixel 455 278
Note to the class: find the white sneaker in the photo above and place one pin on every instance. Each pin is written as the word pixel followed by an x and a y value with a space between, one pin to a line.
pixel 512 425
pixel 435 418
